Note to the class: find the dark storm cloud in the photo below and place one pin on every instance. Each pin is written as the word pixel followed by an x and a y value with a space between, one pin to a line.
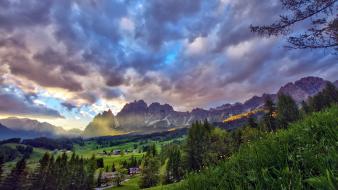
pixel 111 93
pixel 175 19
pixel 54 59
pixel 21 13
pixel 69 106
pixel 235 29
pixel 11 103
pixel 151 58
pixel 41 73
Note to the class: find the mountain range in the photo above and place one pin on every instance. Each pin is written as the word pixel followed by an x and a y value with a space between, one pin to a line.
pixel 138 117
pixel 27 128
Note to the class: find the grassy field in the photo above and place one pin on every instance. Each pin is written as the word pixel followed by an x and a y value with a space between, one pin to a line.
pixel 31 162
pixel 91 148
pixel 131 184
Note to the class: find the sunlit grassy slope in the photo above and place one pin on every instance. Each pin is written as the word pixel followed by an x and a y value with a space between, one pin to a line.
pixel 305 156
pixel 132 184
pixel 31 162
pixel 91 148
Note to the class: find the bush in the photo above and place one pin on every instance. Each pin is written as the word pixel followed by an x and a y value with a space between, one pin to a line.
pixel 302 157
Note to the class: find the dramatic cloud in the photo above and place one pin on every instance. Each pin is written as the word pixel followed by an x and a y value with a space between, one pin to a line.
pixel 79 57
pixel 12 103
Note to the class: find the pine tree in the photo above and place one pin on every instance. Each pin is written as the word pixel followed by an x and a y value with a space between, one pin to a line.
pixel 197 145
pixel 174 170
pixel 17 179
pixel 90 170
pixel 269 119
pixel 324 99
pixel 330 93
pixel 152 150
pixel 149 172
pixel 64 178
pixel 287 110
pixel 39 177
pixel 1 166
pixel 72 171
pixel 51 176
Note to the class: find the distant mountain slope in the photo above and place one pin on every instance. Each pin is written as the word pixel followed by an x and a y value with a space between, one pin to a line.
pixel 5 132
pixel 304 88
pixel 138 117
pixel 28 128
pixel 102 125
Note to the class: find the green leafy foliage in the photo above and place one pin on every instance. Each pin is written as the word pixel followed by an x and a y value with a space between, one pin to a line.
pixel 269 119
pixel 120 176
pixel 304 156
pixel 149 171
pixel 174 166
pixel 197 144
pixel 324 98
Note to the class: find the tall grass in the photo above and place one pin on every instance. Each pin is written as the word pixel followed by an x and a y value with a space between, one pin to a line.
pixel 304 156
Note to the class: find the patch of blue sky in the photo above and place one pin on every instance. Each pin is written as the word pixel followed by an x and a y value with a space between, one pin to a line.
pixel 172 53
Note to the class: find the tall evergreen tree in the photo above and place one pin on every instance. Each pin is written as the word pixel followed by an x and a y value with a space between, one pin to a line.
pixel 149 172
pixel 51 176
pixel 269 119
pixel 90 170
pixel 72 167
pixel 287 110
pixel 174 170
pixel 152 150
pixel 1 166
pixel 330 93
pixel 197 144
pixel 64 177
pixel 17 179
pixel 39 177
pixel 324 99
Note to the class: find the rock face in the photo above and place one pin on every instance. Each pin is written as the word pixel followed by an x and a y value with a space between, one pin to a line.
pixel 304 88
pixel 138 117
pixel 102 125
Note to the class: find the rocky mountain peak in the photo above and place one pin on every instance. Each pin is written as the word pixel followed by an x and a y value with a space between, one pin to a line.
pixel 135 107
pixel 108 113
pixel 303 88
pixel 137 116
pixel 311 85
pixel 158 108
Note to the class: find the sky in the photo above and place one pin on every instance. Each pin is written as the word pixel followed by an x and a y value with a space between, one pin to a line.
pixel 64 61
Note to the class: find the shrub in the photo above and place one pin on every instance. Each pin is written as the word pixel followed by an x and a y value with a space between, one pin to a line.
pixel 302 157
